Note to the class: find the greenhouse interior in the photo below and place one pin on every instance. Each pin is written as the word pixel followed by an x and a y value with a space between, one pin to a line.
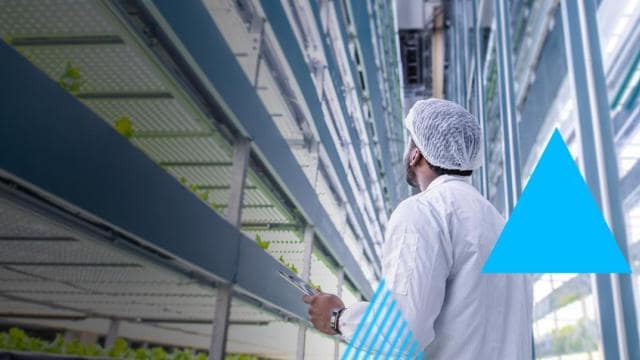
pixel 163 163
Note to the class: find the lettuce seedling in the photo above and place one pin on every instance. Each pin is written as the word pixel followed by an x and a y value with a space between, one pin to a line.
pixel 124 126
pixel 71 80
pixel 262 243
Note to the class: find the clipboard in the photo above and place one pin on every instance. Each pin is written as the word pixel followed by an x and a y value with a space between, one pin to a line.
pixel 298 283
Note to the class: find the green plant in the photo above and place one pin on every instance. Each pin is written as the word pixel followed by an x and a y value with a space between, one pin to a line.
pixel 203 195
pixel 567 299
pixel 142 354
pixel 71 80
pixel 124 126
pixel 315 286
pixel 158 353
pixel 120 349
pixel 56 346
pixel 74 347
pixel 262 243
pixel 18 340
pixel 214 205
pixel 93 350
pixel 291 267
pixel 573 338
pixel 184 354
pixel 240 357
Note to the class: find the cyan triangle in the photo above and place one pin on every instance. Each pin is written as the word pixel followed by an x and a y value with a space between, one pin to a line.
pixel 556 226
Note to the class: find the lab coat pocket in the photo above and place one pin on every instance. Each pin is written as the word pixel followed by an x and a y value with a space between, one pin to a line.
pixel 401 262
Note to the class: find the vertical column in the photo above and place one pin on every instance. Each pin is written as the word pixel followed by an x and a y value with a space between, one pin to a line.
pixel 437 53
pixel 484 172
pixel 306 271
pixel 241 151
pixel 508 116
pixel 340 275
pixel 257 25
pixel 112 333
pixel 463 51
pixel 453 53
pixel 614 293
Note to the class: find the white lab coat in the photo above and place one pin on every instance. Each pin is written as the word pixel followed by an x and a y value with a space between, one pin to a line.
pixel 435 246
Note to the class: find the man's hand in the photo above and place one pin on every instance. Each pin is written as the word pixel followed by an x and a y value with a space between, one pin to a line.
pixel 320 307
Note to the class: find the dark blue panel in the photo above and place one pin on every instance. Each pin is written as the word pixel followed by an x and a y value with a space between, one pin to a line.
pixel 52 141
pixel 192 23
pixel 280 25
pixel 259 274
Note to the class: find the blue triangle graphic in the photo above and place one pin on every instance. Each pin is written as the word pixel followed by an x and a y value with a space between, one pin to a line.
pixel 556 226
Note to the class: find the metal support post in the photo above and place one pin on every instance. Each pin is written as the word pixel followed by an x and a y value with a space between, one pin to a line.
pixel 464 49
pixel 224 293
pixel 454 59
pixel 340 276
pixel 508 116
pixel 484 172
pixel 112 333
pixel 437 53
pixel 260 49
pixel 614 293
pixel 306 271
pixel 241 151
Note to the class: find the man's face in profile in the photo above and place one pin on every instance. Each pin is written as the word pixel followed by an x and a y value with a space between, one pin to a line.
pixel 410 171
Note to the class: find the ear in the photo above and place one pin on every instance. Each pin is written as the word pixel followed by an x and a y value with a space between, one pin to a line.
pixel 415 157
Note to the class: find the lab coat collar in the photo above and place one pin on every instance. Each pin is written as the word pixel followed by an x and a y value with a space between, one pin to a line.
pixel 446 178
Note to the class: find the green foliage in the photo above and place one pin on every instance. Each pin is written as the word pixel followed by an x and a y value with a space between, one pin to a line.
pixel 93 350
pixel 184 354
pixel 158 353
pixel 142 354
pixel 56 346
pixel 262 243
pixel 203 195
pixel 17 340
pixel 291 267
pixel 120 349
pixel 315 286
pixel 567 299
pixel 572 339
pixel 74 347
pixel 124 126
pixel 240 357
pixel 71 80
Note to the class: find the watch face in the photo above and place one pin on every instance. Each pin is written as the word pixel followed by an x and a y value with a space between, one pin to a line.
pixel 333 322
pixel 334 317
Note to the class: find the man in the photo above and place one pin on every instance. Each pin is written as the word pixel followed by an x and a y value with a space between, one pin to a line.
pixel 436 244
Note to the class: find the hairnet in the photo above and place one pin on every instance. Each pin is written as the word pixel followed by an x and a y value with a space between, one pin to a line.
pixel 446 134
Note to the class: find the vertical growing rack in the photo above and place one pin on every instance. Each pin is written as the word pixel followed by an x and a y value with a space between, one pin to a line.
pixel 117 149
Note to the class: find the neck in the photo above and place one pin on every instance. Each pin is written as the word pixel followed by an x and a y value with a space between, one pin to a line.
pixel 424 181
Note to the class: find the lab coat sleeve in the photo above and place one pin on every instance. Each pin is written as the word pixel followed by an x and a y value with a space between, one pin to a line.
pixel 416 259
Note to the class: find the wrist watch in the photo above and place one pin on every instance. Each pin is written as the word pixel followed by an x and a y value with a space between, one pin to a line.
pixel 334 321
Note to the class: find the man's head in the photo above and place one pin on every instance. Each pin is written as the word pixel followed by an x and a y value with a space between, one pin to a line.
pixel 444 138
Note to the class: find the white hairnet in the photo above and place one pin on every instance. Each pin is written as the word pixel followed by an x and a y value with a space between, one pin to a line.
pixel 446 134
